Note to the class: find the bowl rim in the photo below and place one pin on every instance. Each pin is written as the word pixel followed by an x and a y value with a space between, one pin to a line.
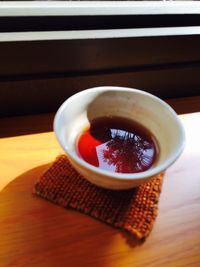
pixel 112 175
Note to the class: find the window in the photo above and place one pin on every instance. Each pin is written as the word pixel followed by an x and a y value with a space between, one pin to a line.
pixel 50 50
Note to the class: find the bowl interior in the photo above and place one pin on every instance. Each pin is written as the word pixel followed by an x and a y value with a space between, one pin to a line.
pixel 79 110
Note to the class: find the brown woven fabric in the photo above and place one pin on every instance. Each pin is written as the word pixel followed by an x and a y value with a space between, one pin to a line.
pixel 133 210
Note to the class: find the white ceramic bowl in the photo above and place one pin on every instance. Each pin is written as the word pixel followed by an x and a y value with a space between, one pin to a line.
pixel 78 110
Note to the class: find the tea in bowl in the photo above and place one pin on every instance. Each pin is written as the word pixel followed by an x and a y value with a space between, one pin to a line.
pixel 118 137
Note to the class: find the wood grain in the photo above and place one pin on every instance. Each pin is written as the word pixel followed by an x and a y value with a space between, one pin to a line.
pixel 34 232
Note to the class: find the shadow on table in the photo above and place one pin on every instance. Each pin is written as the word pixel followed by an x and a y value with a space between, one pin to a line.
pixel 38 233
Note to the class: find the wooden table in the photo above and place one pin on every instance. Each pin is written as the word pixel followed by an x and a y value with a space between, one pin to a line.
pixel 34 232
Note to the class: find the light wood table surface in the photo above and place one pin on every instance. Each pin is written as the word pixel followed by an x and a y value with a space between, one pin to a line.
pixel 34 232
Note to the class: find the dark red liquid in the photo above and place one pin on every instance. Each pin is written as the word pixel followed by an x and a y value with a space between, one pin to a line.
pixel 118 145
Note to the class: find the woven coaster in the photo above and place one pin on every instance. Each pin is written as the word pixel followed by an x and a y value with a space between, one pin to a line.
pixel 132 210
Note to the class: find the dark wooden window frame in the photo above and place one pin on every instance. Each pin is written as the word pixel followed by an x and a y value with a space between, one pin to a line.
pixel 37 75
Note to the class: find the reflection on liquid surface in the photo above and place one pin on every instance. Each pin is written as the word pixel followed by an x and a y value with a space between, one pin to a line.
pixel 117 145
